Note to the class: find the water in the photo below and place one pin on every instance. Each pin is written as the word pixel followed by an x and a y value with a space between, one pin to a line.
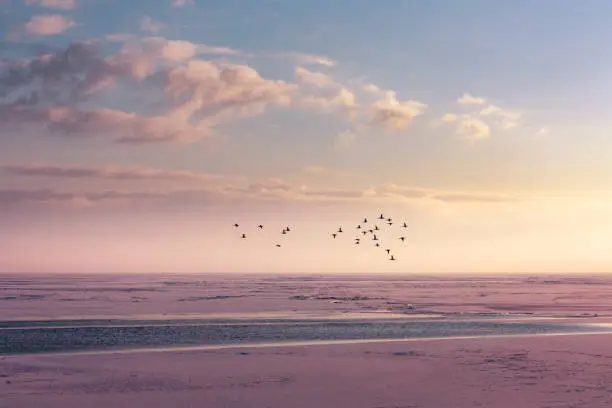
pixel 18 337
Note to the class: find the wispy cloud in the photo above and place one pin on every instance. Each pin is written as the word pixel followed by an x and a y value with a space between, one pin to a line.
pixel 313 78
pixel 308 59
pixel 345 139
pixel 54 4
pixel 151 26
pixel 542 132
pixel 267 190
pixel 313 169
pixel 477 124
pixel 468 126
pixel 182 3
pixel 110 172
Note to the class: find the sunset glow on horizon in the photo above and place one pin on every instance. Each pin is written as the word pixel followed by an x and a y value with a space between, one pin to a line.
pixel 133 135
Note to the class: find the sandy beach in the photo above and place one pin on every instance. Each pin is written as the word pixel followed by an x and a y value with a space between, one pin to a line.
pixel 384 342
pixel 552 371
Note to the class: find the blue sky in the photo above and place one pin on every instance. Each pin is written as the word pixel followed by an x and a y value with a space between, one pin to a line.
pixel 448 111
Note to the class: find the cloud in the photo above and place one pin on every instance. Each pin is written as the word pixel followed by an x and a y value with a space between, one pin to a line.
pixel 473 129
pixel 313 78
pixel 375 89
pixel 345 139
pixel 182 3
pixel 149 25
pixel 474 197
pixel 469 127
pixel 450 117
pixel 43 26
pixel 468 99
pixel 542 132
pixel 505 118
pixel 309 59
pixel 342 100
pixel 393 114
pixel 313 169
pixel 111 172
pixel 54 4
pixel 477 124
pixel 201 94
pixel 269 190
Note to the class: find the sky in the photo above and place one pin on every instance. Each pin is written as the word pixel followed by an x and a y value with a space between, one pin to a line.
pixel 133 135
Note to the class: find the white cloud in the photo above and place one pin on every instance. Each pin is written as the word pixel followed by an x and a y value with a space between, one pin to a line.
pixel 450 117
pixel 313 78
pixel 468 99
pixel 393 114
pixel 308 59
pixel 149 25
pixel 473 129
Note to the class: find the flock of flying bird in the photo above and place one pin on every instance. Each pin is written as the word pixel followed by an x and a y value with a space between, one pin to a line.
pixel 364 228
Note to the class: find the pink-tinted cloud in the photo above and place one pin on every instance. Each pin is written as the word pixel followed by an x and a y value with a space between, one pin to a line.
pixel 54 4
pixel 271 190
pixel 313 78
pixel 110 172
pixel 44 25
pixel 47 90
pixel 393 114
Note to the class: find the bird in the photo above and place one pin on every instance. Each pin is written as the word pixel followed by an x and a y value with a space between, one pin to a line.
pixel 376 228
pixel 340 229
pixel 375 238
pixel 390 223
pixel 365 220
pixel 388 251
pixel 377 244
pixel 364 232
pixel 405 226
pixel 402 238
pixel 334 234
pixel 371 231
pixel 243 236
pixel 359 227
pixel 284 232
pixel 392 258
pixel 389 219
pixel 278 245
pixel 236 225
pixel 287 229
pixel 260 226
pixel 381 217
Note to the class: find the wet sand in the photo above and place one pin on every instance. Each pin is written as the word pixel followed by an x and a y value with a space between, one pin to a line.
pixel 157 296
pixel 546 371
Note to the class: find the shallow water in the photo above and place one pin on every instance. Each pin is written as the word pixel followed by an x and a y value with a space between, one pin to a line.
pixel 67 336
